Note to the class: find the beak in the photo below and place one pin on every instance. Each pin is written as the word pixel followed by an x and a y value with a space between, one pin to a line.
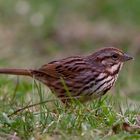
pixel 127 57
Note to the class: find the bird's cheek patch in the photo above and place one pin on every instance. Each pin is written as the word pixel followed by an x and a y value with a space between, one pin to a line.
pixel 107 62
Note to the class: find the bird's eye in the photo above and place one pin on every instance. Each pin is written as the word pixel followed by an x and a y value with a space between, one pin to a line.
pixel 115 56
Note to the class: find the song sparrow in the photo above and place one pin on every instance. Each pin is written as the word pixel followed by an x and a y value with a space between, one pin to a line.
pixel 88 76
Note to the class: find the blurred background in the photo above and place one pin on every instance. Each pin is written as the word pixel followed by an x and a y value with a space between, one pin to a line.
pixel 35 32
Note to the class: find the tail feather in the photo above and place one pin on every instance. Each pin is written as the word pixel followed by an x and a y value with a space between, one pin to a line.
pixel 25 72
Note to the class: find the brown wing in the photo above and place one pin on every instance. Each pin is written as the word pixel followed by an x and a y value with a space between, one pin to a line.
pixel 73 70
pixel 66 68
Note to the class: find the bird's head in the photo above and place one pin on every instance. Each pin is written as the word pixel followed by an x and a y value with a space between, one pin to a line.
pixel 111 58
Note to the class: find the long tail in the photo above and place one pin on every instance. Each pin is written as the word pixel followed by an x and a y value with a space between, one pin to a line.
pixel 25 72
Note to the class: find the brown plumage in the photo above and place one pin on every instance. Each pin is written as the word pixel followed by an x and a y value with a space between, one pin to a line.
pixel 88 76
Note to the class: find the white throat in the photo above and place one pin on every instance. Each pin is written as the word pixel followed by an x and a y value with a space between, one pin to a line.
pixel 115 67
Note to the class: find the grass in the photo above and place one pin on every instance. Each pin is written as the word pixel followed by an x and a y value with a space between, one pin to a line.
pixel 107 118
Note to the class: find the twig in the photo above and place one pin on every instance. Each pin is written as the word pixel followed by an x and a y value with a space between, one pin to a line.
pixel 36 104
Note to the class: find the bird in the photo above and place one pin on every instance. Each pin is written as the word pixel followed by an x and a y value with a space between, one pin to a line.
pixel 88 77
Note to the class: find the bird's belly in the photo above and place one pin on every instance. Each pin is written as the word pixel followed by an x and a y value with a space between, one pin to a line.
pixel 102 87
